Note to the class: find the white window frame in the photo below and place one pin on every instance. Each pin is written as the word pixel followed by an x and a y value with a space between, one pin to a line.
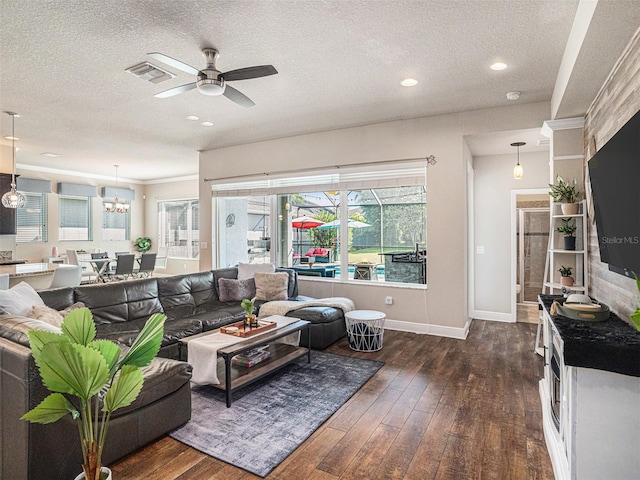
pixel 192 244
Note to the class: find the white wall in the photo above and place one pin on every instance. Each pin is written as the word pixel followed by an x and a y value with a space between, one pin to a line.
pixel 492 226
pixel 442 307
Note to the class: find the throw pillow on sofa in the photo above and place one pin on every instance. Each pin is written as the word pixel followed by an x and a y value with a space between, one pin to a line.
pixel 271 286
pixel 19 299
pixel 248 270
pixel 50 315
pixel 236 290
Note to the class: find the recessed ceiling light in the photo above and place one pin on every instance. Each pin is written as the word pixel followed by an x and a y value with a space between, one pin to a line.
pixel 193 117
pixel 207 124
pixel 50 154
pixel 513 95
pixel 409 82
pixel 498 66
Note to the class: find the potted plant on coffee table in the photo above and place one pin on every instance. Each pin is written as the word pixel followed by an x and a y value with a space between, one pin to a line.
pixel 566 280
pixel 567 194
pixel 568 229
pixel 88 380
pixel 249 308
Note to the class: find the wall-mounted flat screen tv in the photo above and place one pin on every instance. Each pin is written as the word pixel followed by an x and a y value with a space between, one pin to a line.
pixel 615 183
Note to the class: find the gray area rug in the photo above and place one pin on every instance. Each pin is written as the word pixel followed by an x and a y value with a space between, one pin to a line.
pixel 270 418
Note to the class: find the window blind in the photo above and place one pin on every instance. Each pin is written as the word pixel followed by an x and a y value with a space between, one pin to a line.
pixel 348 178
pixel 75 218
pixel 115 226
pixel 31 220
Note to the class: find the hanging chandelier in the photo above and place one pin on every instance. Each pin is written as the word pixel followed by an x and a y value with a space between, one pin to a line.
pixel 116 206
pixel 517 170
pixel 13 198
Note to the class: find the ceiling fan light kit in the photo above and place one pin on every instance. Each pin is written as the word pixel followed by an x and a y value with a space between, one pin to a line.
pixel 211 81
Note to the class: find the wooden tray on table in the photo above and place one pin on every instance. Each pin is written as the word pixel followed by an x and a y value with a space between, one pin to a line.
pixel 239 329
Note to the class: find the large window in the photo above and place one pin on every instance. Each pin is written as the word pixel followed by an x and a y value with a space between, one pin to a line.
pixel 32 219
pixel 75 218
pixel 179 227
pixel 363 224
pixel 115 225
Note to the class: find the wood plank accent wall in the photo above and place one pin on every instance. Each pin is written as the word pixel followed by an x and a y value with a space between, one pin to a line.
pixel 615 104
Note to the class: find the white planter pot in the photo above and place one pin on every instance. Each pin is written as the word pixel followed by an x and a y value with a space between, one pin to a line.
pixel 103 470
pixel 570 208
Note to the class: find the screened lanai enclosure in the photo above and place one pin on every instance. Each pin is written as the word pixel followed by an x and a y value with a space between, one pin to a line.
pixel 382 240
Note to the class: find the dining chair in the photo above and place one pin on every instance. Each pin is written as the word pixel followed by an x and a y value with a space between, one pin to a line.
pixel 66 276
pixel 88 276
pixel 161 258
pixel 147 265
pixel 124 267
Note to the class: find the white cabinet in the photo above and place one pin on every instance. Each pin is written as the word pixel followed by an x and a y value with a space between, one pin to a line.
pixel 598 431
pixel 558 256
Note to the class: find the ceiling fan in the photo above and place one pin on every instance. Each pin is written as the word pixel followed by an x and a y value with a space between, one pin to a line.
pixel 212 81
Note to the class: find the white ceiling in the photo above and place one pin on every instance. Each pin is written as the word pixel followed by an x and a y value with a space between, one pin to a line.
pixel 340 62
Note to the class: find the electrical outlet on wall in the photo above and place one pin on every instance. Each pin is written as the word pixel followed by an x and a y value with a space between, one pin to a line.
pixel 388 301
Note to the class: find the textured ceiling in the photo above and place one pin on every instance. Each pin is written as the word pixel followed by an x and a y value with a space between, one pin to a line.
pixel 340 63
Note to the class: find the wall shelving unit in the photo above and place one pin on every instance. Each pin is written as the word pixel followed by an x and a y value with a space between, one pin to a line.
pixel 558 256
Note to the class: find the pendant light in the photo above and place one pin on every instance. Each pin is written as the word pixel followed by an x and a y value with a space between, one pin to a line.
pixel 116 206
pixel 13 198
pixel 517 170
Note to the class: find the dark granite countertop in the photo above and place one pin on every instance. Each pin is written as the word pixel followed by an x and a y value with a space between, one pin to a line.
pixel 612 345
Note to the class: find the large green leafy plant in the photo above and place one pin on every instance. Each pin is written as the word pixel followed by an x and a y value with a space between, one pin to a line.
pixel 88 379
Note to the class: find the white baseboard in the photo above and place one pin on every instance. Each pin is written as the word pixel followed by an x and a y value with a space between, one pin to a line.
pixel 493 316
pixel 425 329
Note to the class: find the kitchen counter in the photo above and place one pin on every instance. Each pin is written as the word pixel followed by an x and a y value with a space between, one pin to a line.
pixel 38 275
pixel 612 345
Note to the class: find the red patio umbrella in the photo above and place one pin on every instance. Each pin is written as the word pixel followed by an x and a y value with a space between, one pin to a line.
pixel 304 223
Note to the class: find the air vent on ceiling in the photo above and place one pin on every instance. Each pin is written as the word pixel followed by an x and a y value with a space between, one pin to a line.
pixel 150 72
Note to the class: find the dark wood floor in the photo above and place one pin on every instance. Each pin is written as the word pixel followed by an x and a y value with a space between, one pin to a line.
pixel 439 409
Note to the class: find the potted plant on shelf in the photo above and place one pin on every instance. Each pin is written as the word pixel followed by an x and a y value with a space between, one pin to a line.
pixel 635 316
pixel 568 229
pixel 566 280
pixel 88 380
pixel 142 244
pixel 567 194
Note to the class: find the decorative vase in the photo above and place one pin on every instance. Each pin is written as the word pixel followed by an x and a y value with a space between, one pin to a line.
pixel 570 208
pixel 566 281
pixel 54 252
pixel 251 321
pixel 569 243
pixel 103 471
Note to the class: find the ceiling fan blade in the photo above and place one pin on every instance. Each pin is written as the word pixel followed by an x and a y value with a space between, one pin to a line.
pixel 235 96
pixel 172 62
pixel 176 90
pixel 249 72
